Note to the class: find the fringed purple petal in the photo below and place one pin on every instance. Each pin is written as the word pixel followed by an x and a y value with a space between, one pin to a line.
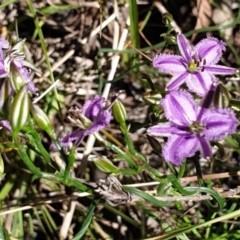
pixel 180 107
pixel 94 110
pixel 92 107
pixel 79 138
pixel 25 73
pixel 184 47
pixel 205 147
pixel 100 122
pixel 179 147
pixel 207 99
pixel 104 118
pixel 219 123
pixel 32 88
pixel 165 130
pixel 200 82
pixel 75 136
pixel 177 81
pixel 169 63
pixel 210 49
pixel 220 70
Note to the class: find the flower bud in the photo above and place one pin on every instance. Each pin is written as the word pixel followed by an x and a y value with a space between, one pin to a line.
pixel 106 166
pixel 154 144
pixel 221 97
pixel 19 110
pixel 167 18
pixel 152 97
pixel 18 47
pixel 208 98
pixel 169 38
pixel 16 76
pixel 119 112
pixel 41 119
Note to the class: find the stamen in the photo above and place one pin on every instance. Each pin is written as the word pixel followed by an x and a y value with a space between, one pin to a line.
pixel 199 57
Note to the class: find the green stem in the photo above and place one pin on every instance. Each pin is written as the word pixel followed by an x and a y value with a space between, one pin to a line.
pixel 36 142
pixel 130 145
pixel 71 160
pixel 59 178
pixel 43 45
pixel 116 150
pixel 181 170
pixel 28 162
pixel 121 214
pixel 8 185
pixel 206 190
pixel 199 172
pixel 87 220
pixel 133 14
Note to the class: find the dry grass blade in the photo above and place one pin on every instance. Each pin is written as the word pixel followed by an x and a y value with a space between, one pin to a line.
pixel 204 13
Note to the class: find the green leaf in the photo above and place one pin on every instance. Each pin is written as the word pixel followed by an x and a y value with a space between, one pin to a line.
pixel 232 143
pixel 128 171
pixel 145 196
pixel 71 160
pixel 4 233
pixel 175 233
pixel 6 3
pixel 87 221
pixel 211 192
pixel 55 8
pixel 106 166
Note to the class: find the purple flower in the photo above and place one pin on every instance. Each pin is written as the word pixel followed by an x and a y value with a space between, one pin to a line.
pixel 196 66
pixel 190 127
pixel 12 65
pixel 93 118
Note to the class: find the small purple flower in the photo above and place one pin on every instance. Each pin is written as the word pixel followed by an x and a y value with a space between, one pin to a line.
pixel 190 127
pixel 12 59
pixel 93 118
pixel 196 66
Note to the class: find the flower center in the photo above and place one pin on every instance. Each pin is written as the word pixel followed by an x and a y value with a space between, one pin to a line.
pixel 196 64
pixel 196 128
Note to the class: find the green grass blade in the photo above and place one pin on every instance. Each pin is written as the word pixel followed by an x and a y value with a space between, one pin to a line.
pixel 5 4
pixel 87 221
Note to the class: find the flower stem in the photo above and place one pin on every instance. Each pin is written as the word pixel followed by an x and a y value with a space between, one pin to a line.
pixel 116 150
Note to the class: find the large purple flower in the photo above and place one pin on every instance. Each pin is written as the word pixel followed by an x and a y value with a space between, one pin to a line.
pixel 91 119
pixel 196 66
pixel 190 127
